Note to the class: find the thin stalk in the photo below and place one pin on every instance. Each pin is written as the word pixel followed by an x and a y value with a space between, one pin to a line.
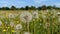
pixel 28 26
pixel 34 27
pixel 17 32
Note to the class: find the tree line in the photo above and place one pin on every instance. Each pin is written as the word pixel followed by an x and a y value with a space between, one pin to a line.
pixel 44 7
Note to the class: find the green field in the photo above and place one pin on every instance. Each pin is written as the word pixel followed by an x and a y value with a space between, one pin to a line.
pixel 29 22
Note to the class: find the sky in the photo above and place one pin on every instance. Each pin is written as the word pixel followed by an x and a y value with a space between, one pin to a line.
pixel 23 3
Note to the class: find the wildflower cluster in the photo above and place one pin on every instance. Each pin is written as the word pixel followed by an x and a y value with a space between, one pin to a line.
pixel 33 22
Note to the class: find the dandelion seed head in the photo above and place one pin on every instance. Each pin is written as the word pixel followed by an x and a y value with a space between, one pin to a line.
pixel 25 17
pixel 18 26
pixel 58 13
pixel 26 33
pixel 0 23
pixel 43 16
pixel 47 10
pixel 35 14
pixel 54 15
pixel 12 24
pixel 2 17
pixel 59 19
pixel 11 15
pixel 46 25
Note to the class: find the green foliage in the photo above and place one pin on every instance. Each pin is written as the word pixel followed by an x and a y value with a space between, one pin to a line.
pixel 43 7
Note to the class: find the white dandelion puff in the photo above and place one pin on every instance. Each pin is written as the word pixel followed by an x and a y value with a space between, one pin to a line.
pixel 59 19
pixel 43 16
pixel 26 16
pixel 0 23
pixel 54 16
pixel 12 24
pixel 58 13
pixel 2 17
pixel 26 33
pixel 47 10
pixel 11 15
pixel 54 10
pixel 35 14
pixel 18 26
pixel 47 25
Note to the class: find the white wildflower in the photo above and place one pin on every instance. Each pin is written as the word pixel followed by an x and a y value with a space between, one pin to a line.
pixel 26 33
pixel 43 16
pixel 11 15
pixel 0 23
pixel 59 19
pixel 35 14
pixel 25 17
pixel 12 24
pixel 54 16
pixel 47 25
pixel 47 10
pixel 2 17
pixel 58 13
pixel 54 10
pixel 18 26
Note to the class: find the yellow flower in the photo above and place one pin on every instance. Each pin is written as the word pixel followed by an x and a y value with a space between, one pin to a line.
pixel 33 19
pixel 8 27
pixel 13 30
pixel 4 30
pixel 17 21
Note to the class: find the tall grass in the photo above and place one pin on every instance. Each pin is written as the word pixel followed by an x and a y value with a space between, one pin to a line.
pixel 47 23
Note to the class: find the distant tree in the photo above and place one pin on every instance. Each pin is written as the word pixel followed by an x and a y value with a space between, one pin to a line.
pixel 43 7
pixel 39 8
pixel 54 7
pixel 27 7
pixel 32 8
pixel 13 8
pixel 4 8
pixel 22 8
pixel 49 7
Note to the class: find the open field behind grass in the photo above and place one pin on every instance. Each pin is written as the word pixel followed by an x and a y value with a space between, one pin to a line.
pixel 31 22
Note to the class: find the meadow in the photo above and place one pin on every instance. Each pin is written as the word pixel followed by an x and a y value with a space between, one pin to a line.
pixel 30 21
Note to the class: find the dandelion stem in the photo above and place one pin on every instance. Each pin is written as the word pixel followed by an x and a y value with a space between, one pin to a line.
pixel 28 26
pixel 17 32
